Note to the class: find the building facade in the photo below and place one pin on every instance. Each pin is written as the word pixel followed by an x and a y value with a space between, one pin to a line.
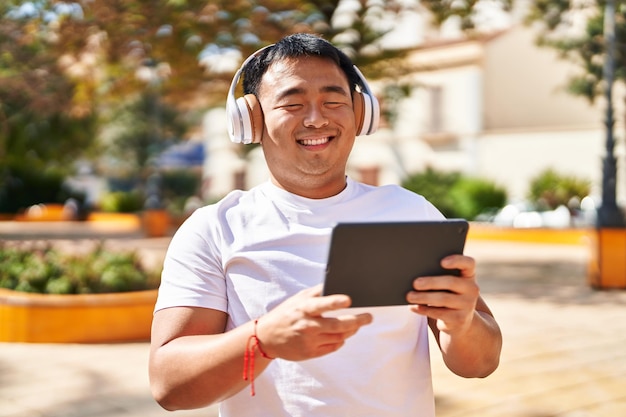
pixel 494 107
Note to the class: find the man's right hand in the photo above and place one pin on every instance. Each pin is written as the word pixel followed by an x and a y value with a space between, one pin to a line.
pixel 297 330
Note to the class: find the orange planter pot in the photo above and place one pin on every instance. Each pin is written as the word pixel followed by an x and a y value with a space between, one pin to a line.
pixel 607 264
pixel 156 223
pixel 84 318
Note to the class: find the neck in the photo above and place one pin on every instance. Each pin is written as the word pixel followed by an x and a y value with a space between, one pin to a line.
pixel 313 191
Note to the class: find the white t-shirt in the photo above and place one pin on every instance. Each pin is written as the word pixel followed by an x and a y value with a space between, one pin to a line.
pixel 249 252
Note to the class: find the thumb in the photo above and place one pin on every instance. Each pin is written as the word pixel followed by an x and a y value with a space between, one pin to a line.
pixel 314 291
pixel 316 304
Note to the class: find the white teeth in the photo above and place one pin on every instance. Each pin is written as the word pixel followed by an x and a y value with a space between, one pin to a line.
pixel 312 142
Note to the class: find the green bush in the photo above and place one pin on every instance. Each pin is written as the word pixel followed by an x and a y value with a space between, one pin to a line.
pixel 22 186
pixel 174 188
pixel 456 195
pixel 550 189
pixel 121 202
pixel 180 183
pixel 474 196
pixel 177 186
pixel 50 271
pixel 435 186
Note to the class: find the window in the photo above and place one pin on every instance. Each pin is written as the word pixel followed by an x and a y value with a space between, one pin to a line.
pixel 436 109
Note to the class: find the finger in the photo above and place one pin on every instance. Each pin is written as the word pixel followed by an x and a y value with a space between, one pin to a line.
pixel 346 323
pixel 436 313
pixel 441 299
pixel 342 328
pixel 447 320
pixel 314 291
pixel 425 310
pixel 318 305
pixel 327 348
pixel 438 283
pixel 446 291
pixel 465 264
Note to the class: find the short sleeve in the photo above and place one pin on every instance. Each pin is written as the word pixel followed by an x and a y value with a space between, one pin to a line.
pixel 192 273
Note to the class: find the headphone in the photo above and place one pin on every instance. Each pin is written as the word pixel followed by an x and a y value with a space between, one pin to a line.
pixel 245 116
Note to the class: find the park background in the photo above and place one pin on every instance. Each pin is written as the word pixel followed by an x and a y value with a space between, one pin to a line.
pixel 485 105
pixel 111 114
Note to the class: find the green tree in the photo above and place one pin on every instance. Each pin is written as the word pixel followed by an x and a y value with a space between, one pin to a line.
pixel 183 36
pixel 138 130
pixel 587 49
pixel 43 128
pixel 102 46
pixel 68 68
pixel 465 10
pixel 39 110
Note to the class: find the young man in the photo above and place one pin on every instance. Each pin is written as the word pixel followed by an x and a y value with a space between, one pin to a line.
pixel 241 288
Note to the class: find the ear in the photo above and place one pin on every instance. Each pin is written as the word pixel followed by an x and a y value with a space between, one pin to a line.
pixel 256 117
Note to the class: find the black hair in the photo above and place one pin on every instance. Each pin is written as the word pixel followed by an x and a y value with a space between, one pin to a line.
pixel 294 46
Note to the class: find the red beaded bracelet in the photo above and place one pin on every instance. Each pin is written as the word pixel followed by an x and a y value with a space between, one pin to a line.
pixel 252 345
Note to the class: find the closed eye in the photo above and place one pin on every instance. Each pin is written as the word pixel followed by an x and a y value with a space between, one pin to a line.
pixel 334 104
pixel 294 106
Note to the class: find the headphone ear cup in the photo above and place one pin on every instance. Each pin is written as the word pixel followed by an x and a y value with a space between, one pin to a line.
pixel 244 114
pixel 366 113
pixel 246 120
pixel 256 118
pixel 234 124
pixel 357 106
pixel 366 108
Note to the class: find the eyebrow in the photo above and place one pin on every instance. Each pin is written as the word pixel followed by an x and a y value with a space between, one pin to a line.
pixel 326 89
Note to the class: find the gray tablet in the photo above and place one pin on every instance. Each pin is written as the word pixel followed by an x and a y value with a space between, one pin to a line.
pixel 376 263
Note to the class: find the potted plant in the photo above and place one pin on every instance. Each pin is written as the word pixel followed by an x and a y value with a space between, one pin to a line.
pixel 100 295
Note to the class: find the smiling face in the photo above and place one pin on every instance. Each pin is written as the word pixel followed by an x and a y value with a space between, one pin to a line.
pixel 309 125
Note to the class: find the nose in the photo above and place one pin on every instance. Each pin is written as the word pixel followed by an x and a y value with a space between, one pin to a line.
pixel 315 117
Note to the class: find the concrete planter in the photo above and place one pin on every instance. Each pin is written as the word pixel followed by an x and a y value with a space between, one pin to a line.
pixel 607 263
pixel 569 236
pixel 84 318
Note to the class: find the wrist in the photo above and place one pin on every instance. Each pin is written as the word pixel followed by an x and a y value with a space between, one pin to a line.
pixel 252 346
pixel 259 342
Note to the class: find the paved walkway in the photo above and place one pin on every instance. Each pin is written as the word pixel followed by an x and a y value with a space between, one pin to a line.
pixel 564 353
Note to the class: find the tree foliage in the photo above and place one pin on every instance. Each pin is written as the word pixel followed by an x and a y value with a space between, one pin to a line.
pixel 68 68
pixel 40 120
pixel 559 27
pixel 465 10
pixel 104 47
pixel 587 48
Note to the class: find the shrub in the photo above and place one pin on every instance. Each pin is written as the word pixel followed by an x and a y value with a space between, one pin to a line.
pixel 22 185
pixel 180 183
pixel 50 271
pixel 171 188
pixel 455 195
pixel 121 202
pixel 435 186
pixel 550 189
pixel 474 196
pixel 177 186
